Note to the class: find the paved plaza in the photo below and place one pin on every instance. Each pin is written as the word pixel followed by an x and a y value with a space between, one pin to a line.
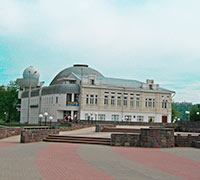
pixel 65 161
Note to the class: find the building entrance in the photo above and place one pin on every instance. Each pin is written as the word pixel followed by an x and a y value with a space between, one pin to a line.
pixel 164 119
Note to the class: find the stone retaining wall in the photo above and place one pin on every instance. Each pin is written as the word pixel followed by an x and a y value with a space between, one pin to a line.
pixel 125 140
pixel 153 138
pixel 188 126
pixel 34 135
pixel 157 137
pixel 185 141
pixel 126 130
pixel 100 127
pixel 7 132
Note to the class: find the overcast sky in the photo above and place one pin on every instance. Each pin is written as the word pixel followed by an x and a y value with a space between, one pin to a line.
pixel 131 39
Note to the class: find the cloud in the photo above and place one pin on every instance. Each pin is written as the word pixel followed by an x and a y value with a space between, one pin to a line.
pixel 127 39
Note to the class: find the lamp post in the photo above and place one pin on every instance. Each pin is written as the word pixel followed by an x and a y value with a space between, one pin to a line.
pixel 188 113
pixel 40 118
pixel 45 117
pixel 5 116
pixel 50 119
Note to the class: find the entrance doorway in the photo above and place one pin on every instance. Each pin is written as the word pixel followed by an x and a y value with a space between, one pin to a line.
pixel 164 119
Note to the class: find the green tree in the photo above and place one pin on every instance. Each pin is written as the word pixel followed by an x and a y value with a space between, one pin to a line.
pixel 194 113
pixel 175 113
pixel 9 101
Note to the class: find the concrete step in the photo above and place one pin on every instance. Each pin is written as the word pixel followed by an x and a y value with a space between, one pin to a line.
pixel 77 139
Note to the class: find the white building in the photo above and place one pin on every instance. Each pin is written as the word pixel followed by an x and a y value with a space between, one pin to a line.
pixel 84 92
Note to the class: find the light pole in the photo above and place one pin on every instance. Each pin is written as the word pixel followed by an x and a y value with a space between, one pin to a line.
pixel 40 118
pixel 5 116
pixel 45 117
pixel 188 113
pixel 50 119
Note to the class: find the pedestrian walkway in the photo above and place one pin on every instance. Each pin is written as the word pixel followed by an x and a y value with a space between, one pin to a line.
pixel 65 161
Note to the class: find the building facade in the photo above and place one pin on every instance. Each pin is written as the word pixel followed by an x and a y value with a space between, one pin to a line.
pixel 84 93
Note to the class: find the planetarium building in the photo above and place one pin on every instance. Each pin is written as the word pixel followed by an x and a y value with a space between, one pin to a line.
pixel 84 93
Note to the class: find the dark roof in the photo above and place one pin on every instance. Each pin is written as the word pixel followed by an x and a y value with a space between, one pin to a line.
pixel 77 69
pixel 55 89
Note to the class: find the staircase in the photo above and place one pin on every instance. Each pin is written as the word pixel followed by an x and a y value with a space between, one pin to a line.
pixel 77 139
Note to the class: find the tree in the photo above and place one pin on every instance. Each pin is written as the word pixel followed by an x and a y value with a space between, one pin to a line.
pixel 194 116
pixel 175 113
pixel 9 101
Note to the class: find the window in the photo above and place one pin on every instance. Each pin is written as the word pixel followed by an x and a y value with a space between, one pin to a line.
pixel 150 103
pixel 118 101
pixel 140 118
pixel 56 100
pixel 164 104
pixel 146 102
pixel 153 103
pixel 76 96
pixel 112 100
pixel 125 101
pixel 106 100
pixel 69 97
pixel 151 118
pixel 87 99
pixel 87 117
pixel 91 99
pixel 115 117
pixel 92 81
pixel 96 99
pixel 131 102
pixel 127 118
pixel 150 86
pixel 101 116
pixel 137 102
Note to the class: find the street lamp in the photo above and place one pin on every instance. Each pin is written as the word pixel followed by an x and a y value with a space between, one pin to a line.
pixel 188 113
pixel 50 119
pixel 198 113
pixel 45 117
pixel 40 118
pixel 5 116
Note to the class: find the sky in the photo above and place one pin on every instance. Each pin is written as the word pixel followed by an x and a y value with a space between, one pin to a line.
pixel 130 39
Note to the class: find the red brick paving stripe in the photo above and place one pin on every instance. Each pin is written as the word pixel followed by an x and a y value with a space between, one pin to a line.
pixel 163 161
pixel 62 162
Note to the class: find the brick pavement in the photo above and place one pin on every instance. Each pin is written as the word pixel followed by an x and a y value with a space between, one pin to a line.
pixel 36 161
pixel 60 162
pixel 163 161
pixel 110 162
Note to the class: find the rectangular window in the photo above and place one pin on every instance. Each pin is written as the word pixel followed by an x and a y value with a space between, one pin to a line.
pixel 137 102
pixel 106 100
pixel 91 99
pixel 101 116
pixel 164 104
pixel 140 118
pixel 112 100
pixel 127 118
pixel 118 101
pixel 146 102
pixel 153 103
pixel 151 118
pixel 115 117
pixel 87 117
pixel 125 101
pixel 96 99
pixel 150 103
pixel 56 100
pixel 69 97
pixel 131 102
pixel 87 99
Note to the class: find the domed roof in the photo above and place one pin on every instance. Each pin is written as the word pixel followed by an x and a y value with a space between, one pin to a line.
pixel 78 69
pixel 31 73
